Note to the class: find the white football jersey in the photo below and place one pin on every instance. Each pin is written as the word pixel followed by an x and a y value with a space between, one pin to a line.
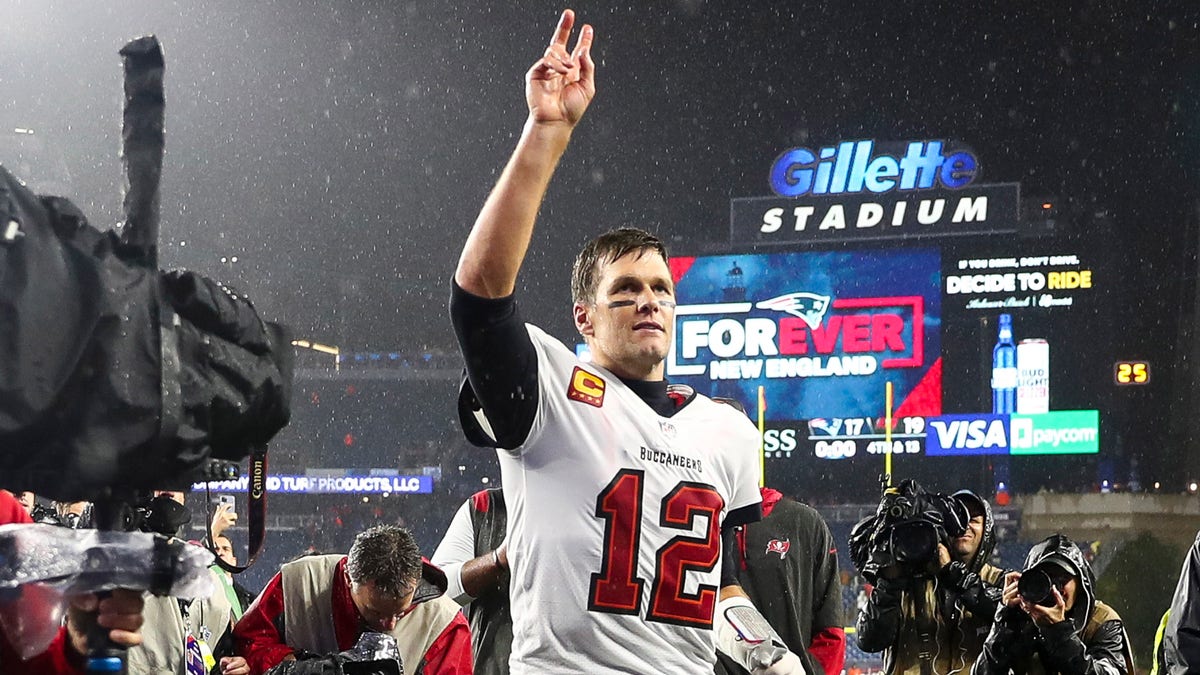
pixel 614 523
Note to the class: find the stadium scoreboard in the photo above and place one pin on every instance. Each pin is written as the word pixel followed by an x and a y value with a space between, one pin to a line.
pixel 891 264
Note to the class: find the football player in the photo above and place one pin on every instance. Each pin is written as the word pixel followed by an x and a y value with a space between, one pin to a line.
pixel 621 489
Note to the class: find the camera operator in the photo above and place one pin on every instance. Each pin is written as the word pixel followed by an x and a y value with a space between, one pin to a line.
pixel 1050 621
pixel 318 606
pixel 121 612
pixel 932 602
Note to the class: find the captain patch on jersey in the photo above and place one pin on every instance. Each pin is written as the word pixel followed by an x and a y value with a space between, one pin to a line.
pixel 586 387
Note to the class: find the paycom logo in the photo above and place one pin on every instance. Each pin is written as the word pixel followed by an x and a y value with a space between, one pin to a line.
pixel 1061 432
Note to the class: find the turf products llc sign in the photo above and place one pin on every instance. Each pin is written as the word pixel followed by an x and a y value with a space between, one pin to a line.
pixel 331 484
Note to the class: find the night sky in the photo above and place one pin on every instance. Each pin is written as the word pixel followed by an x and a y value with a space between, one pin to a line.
pixel 342 149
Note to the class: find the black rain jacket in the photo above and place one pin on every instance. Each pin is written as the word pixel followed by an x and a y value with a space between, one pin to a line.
pixel 966 597
pixel 1092 641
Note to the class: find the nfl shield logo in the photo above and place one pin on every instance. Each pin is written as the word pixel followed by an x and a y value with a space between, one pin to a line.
pixel 668 429
pixel 780 547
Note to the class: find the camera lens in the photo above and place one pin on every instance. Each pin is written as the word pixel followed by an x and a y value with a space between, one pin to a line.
pixel 1036 586
pixel 899 508
pixel 914 542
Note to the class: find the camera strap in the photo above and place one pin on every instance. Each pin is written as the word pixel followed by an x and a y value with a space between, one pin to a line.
pixel 257 489
pixel 925 642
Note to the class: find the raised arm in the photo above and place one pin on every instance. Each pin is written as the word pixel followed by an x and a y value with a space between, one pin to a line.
pixel 558 89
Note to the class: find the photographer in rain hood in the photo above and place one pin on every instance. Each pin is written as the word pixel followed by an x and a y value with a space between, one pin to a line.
pixel 934 592
pixel 1050 621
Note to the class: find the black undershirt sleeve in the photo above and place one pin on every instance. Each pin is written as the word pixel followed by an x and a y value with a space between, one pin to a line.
pixel 729 557
pixel 501 362
pixel 729 547
pixel 751 513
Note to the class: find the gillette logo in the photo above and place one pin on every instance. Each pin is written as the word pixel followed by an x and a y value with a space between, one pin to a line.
pixel 852 167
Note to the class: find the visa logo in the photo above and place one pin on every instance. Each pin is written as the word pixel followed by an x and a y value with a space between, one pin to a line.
pixel 967 435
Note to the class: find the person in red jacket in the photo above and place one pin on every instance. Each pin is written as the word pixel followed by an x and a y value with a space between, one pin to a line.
pixel 322 604
pixel 121 612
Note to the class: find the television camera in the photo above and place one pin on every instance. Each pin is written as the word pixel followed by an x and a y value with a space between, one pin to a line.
pixel 118 378
pixel 900 540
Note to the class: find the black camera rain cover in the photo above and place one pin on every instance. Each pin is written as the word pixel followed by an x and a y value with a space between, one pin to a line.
pixel 910 508
pixel 114 376
pixel 86 403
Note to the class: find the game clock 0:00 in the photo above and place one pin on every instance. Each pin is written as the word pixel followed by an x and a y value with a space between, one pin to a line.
pixel 1131 372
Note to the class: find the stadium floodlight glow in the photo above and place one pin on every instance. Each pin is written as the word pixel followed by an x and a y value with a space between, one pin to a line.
pixel 316 347
pixel 324 349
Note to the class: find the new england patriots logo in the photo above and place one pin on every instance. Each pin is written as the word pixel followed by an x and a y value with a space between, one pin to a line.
pixel 808 307
pixel 823 427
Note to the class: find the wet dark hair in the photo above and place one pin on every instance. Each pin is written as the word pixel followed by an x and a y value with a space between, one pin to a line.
pixel 610 246
pixel 386 555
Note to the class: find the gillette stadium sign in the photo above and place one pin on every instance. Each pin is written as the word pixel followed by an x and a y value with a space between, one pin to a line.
pixel 861 190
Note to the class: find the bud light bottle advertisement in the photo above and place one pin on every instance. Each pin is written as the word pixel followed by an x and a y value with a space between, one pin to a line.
pixel 1004 370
